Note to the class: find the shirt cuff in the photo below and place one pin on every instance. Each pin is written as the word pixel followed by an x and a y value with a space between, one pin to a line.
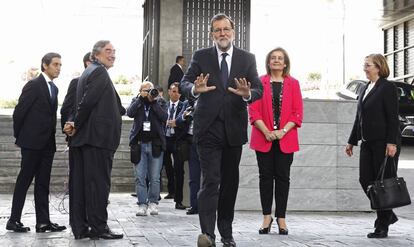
pixel 193 94
pixel 249 98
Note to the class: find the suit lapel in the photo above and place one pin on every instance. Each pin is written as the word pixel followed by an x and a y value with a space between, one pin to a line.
pixel 235 63
pixel 216 69
pixel 45 89
pixel 373 90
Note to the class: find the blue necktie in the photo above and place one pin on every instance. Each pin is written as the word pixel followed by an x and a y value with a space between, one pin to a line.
pixel 224 70
pixel 172 109
pixel 170 131
pixel 52 92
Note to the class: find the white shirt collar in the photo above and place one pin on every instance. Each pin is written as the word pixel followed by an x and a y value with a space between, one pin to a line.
pixel 179 65
pixel 229 51
pixel 175 103
pixel 46 77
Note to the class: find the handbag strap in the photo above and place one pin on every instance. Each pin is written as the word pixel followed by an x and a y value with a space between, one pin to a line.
pixel 383 166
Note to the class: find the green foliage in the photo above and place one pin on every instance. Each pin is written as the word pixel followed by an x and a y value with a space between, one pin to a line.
pixel 314 76
pixel 121 79
pixel 127 92
pixel 8 104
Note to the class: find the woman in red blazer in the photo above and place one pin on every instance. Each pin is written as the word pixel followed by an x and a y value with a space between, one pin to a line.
pixel 275 119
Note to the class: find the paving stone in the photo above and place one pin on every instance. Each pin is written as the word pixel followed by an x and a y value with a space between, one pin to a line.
pixel 174 228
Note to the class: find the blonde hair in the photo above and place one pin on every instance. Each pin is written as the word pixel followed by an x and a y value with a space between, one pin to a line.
pixel 381 63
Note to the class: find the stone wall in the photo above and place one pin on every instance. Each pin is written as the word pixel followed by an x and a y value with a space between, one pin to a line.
pixel 322 176
pixel 122 173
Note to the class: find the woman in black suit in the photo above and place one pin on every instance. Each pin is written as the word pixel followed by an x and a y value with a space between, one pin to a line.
pixel 377 126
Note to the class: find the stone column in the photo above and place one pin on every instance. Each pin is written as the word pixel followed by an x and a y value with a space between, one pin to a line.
pixel 171 35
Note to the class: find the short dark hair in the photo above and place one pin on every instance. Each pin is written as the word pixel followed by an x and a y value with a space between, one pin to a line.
pixel 97 48
pixel 47 59
pixel 159 88
pixel 218 17
pixel 178 58
pixel 174 84
pixel 286 70
pixel 86 58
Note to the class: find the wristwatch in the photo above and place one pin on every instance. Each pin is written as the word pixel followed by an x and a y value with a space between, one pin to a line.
pixel 284 130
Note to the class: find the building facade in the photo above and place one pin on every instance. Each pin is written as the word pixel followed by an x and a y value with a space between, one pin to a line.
pixel 398 28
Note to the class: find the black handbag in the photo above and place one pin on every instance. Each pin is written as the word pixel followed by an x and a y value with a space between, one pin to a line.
pixel 389 193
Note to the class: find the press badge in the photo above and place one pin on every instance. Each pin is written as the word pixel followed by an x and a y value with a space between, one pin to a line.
pixel 147 126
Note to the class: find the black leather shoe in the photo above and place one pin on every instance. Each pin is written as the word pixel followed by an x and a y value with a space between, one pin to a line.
pixel 16 226
pixel 228 242
pixel 205 240
pixel 169 196
pixel 84 234
pixel 192 211
pixel 179 205
pixel 378 234
pixel 266 230
pixel 52 227
pixel 108 234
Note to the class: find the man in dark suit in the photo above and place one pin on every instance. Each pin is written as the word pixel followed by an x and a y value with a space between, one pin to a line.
pixel 67 113
pixel 224 78
pixel 34 124
pixel 176 71
pixel 95 132
pixel 174 170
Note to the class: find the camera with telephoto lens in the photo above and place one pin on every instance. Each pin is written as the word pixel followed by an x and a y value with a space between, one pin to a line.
pixel 153 92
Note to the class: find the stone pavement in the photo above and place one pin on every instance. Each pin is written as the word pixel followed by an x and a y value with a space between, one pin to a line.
pixel 174 228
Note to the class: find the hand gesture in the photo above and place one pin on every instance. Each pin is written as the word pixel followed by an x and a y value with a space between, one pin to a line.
pixel 242 87
pixel 200 84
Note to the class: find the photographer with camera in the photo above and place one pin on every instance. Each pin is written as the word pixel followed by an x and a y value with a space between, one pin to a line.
pixel 185 120
pixel 147 141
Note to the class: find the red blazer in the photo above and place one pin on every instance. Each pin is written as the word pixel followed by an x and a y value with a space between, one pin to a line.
pixel 292 111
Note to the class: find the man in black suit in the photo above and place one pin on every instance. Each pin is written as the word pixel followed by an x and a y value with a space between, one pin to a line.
pixel 176 71
pixel 96 132
pixel 34 124
pixel 224 79
pixel 174 167
pixel 67 113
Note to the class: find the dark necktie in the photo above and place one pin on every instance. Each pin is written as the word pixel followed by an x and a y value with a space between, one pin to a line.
pixel 170 131
pixel 52 92
pixel 224 70
pixel 172 109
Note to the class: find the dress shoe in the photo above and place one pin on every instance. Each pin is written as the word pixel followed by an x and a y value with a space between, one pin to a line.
pixel 192 211
pixel 53 227
pixel 282 231
pixel 378 233
pixel 84 234
pixel 179 205
pixel 205 240
pixel 169 196
pixel 16 226
pixel 266 230
pixel 108 234
pixel 228 242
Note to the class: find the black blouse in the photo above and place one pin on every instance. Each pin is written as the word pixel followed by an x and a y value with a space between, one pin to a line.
pixel 277 92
